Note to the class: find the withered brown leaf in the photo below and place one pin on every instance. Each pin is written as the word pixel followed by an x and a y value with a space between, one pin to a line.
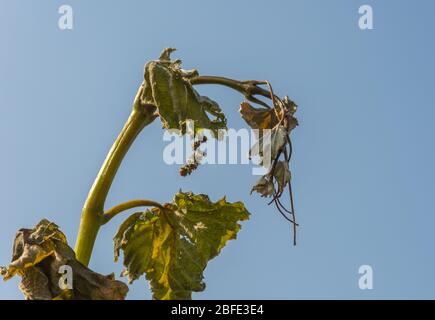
pixel 258 118
pixel 38 255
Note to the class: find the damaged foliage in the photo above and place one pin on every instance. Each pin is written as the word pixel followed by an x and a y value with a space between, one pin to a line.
pixel 38 255
pixel 167 87
pixel 173 244
pixel 273 127
pixel 169 244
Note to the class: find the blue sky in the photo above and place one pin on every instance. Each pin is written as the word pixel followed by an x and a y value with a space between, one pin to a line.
pixel 362 165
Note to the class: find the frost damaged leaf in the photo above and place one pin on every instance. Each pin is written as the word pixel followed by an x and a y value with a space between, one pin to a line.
pixel 270 144
pixel 258 118
pixel 39 253
pixel 282 175
pixel 167 87
pixel 264 186
pixel 172 246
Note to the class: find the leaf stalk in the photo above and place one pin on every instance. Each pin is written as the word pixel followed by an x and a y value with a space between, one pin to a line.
pixel 112 212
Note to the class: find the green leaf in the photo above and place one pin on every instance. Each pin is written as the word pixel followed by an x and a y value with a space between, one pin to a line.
pixel 167 87
pixel 172 246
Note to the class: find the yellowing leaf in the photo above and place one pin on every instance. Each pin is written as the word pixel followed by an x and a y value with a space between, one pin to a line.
pixel 172 246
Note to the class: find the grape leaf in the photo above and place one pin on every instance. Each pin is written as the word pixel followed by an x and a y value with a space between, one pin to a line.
pixel 258 118
pixel 172 245
pixel 39 253
pixel 167 87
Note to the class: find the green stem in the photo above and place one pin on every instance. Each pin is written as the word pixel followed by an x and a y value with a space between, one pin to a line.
pixel 112 212
pixel 93 209
pixel 93 216
pixel 248 88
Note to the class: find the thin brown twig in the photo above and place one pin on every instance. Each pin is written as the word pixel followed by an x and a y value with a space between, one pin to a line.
pixel 292 207
pixel 283 214
pixel 293 212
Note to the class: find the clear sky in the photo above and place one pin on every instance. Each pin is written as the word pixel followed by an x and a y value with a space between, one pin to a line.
pixel 363 161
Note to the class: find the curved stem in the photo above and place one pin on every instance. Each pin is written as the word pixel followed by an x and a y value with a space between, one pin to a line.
pixel 112 212
pixel 143 114
pixel 233 84
pixel 248 88
pixel 93 209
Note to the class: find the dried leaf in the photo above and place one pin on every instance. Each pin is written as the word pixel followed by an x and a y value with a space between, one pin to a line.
pixel 264 186
pixel 290 105
pixel 38 255
pixel 258 118
pixel 173 246
pixel 281 173
pixel 270 144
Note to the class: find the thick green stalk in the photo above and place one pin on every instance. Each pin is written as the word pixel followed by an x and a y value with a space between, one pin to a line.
pixel 93 209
